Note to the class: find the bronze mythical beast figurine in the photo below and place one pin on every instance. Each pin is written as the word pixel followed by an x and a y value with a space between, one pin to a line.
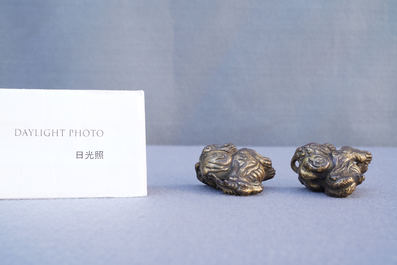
pixel 336 172
pixel 237 172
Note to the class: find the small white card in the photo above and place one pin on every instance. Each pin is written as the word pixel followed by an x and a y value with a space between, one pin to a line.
pixel 72 143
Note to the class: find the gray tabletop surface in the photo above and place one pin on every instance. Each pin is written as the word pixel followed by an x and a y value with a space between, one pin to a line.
pixel 185 222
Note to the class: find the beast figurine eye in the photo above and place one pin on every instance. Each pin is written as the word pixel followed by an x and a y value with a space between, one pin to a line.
pixel 336 172
pixel 237 172
pixel 207 148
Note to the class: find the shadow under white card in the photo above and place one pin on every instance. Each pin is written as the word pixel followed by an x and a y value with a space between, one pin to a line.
pixel 72 143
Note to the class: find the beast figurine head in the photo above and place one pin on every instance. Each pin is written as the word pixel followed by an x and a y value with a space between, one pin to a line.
pixel 238 172
pixel 336 172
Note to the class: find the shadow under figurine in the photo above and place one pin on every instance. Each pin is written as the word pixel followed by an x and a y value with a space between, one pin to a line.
pixel 336 172
pixel 236 172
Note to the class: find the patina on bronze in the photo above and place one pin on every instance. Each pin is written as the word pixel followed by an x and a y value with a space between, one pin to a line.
pixel 321 167
pixel 236 172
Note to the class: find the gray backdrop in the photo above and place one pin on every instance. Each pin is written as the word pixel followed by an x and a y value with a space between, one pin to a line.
pixel 250 72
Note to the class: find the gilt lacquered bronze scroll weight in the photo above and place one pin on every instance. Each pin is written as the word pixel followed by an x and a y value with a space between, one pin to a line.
pixel 236 172
pixel 321 167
